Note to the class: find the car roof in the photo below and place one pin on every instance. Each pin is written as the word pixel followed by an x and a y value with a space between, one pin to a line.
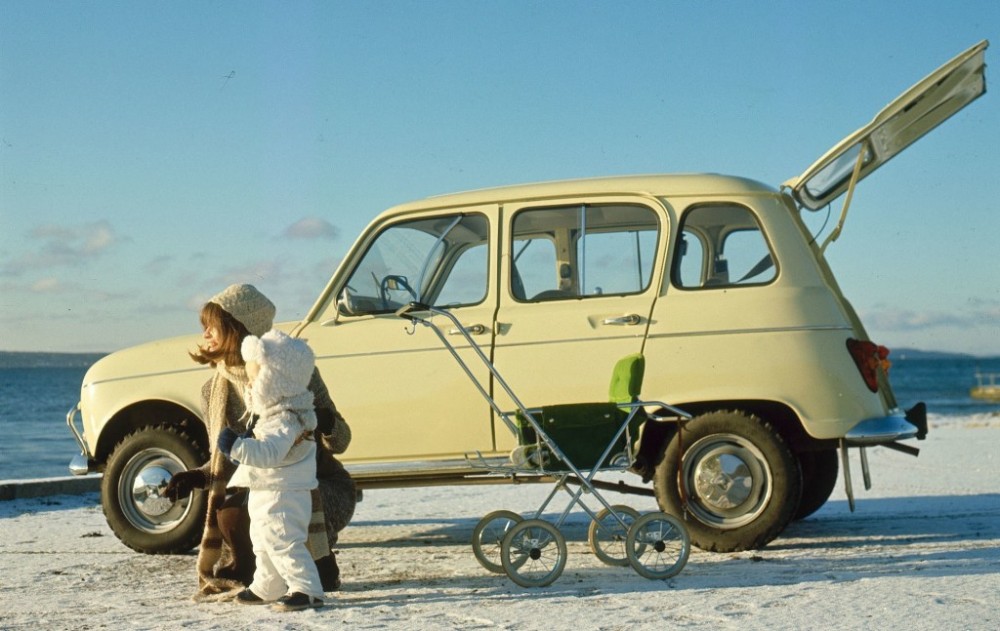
pixel 663 185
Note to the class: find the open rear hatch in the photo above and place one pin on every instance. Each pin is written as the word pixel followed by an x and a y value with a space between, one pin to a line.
pixel 901 123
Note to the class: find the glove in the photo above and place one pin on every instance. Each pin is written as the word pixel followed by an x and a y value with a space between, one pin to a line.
pixel 225 442
pixel 182 483
pixel 325 420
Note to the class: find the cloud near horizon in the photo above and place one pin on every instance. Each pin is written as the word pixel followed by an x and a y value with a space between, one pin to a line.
pixel 158 265
pixel 905 320
pixel 63 246
pixel 46 285
pixel 263 271
pixel 77 242
pixel 311 228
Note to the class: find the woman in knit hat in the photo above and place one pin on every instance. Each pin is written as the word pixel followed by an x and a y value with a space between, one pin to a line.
pixel 225 558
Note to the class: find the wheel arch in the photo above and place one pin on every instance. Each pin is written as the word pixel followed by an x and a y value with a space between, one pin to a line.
pixel 781 417
pixel 148 414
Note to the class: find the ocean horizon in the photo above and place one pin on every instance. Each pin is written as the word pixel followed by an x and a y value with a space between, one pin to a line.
pixel 35 399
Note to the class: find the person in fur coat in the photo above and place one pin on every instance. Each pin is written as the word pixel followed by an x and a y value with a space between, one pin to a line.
pixel 276 459
pixel 226 561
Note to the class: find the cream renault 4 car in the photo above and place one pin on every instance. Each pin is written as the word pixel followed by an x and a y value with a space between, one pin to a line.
pixel 715 279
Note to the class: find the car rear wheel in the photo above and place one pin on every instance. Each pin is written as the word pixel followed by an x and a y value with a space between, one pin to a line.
pixel 820 471
pixel 132 491
pixel 741 483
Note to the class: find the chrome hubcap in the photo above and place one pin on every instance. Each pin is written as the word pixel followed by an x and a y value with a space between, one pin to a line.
pixel 723 480
pixel 140 491
pixel 730 480
pixel 147 491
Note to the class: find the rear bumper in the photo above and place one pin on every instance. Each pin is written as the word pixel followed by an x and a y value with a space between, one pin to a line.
pixel 889 429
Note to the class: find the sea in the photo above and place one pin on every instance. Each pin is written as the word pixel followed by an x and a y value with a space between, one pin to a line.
pixel 36 442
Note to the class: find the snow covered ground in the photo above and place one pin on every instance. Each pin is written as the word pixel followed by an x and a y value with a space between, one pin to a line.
pixel 922 551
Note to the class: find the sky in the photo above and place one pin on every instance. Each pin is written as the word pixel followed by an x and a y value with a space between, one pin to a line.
pixel 152 153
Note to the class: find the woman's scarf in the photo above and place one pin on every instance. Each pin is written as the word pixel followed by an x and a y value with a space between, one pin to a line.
pixel 213 549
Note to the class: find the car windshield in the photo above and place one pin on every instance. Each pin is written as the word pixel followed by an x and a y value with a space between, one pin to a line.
pixel 439 260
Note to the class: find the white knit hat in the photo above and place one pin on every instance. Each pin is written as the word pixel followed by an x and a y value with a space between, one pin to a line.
pixel 250 307
pixel 286 366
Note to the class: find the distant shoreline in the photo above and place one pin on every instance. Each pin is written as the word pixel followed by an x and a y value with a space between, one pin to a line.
pixel 15 359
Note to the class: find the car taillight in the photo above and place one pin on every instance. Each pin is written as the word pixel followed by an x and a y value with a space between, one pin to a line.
pixel 869 357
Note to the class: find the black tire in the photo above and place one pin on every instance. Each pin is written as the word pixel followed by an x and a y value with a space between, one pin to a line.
pixel 132 491
pixel 820 471
pixel 742 482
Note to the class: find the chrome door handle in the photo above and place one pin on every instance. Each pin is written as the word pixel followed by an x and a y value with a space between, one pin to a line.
pixel 626 320
pixel 475 329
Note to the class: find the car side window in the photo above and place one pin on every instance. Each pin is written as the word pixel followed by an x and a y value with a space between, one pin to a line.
pixel 582 251
pixel 722 246
pixel 465 283
pixel 437 260
pixel 535 258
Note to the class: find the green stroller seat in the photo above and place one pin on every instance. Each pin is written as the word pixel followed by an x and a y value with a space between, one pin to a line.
pixel 584 431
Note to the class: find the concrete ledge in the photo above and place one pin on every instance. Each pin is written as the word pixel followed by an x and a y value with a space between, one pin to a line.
pixel 70 485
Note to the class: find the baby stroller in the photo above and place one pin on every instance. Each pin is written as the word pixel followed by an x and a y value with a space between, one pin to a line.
pixel 558 443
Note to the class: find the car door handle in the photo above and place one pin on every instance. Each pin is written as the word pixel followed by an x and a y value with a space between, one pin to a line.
pixel 626 320
pixel 475 329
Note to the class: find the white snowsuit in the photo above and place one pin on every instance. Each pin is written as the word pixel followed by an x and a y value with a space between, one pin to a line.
pixel 278 465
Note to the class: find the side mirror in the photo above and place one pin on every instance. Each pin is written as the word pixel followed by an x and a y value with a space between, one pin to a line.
pixel 345 303
pixel 345 307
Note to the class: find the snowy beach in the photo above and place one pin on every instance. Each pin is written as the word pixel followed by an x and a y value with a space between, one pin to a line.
pixel 922 551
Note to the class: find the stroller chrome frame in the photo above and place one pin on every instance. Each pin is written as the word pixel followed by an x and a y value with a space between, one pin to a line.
pixel 532 552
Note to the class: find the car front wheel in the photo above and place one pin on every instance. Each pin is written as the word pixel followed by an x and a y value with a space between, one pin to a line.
pixel 733 477
pixel 132 491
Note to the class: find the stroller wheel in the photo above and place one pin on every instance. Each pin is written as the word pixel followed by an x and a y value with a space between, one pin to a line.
pixel 488 535
pixel 657 545
pixel 606 534
pixel 533 553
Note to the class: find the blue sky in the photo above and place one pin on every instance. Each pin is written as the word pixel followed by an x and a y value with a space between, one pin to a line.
pixel 152 153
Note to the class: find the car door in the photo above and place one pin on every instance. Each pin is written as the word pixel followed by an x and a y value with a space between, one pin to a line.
pixel 403 393
pixel 579 285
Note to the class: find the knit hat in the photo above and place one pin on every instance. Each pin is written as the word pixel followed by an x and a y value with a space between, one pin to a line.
pixel 250 307
pixel 286 366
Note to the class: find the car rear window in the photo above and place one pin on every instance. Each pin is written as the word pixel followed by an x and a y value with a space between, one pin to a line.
pixel 722 245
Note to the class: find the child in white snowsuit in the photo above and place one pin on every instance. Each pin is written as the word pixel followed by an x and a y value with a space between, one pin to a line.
pixel 277 462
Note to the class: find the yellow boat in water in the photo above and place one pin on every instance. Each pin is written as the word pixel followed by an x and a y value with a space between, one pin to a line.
pixel 988 387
